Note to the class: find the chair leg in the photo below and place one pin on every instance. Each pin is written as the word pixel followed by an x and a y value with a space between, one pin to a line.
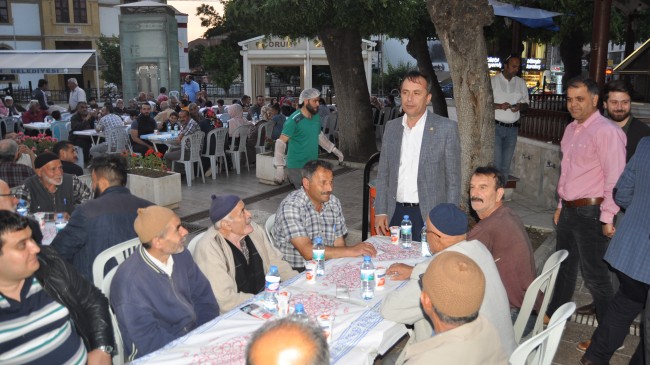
pixel 225 167
pixel 248 166
pixel 189 174
pixel 200 168
pixel 213 167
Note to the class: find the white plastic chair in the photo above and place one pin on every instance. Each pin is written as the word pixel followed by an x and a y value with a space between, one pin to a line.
pixel 118 141
pixel 219 153
pixel 544 283
pixel 192 245
pixel 120 253
pixel 268 227
pixel 14 124
pixel 59 131
pixel 541 349
pixel 196 142
pixel 48 119
pixel 235 150
pixel 263 129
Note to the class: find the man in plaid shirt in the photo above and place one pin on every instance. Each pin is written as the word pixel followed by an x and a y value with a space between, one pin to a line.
pixel 188 126
pixel 107 122
pixel 314 212
pixel 12 173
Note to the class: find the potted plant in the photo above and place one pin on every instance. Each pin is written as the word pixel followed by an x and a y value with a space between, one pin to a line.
pixel 149 178
pixel 38 144
pixel 264 169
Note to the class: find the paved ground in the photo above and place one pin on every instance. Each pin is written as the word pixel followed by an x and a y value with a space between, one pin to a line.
pixel 348 187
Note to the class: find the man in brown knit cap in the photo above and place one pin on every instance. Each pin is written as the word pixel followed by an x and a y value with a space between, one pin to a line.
pixel 452 292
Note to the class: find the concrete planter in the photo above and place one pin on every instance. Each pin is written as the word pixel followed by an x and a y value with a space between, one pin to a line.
pixel 164 191
pixel 264 169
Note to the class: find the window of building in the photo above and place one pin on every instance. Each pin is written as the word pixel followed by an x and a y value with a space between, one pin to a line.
pixel 79 11
pixel 62 9
pixel 80 14
pixel 4 11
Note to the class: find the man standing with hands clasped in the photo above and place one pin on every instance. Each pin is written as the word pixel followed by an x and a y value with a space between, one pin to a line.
pixel 510 98
pixel 593 158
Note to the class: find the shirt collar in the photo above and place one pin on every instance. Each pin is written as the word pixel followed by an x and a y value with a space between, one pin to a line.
pixel 156 264
pixel 589 120
pixel 419 123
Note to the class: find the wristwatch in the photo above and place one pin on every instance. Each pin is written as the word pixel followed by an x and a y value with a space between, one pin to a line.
pixel 106 349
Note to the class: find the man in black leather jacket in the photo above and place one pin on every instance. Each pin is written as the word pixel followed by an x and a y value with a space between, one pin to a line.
pixel 33 278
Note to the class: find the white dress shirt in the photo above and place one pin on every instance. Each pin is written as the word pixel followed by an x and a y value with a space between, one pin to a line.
pixel 409 160
pixel 76 95
pixel 513 92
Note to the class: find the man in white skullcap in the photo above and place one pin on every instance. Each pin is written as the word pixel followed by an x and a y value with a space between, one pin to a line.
pixel 302 128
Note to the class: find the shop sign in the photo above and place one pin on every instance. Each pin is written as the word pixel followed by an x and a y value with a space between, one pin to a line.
pixel 533 64
pixel 494 62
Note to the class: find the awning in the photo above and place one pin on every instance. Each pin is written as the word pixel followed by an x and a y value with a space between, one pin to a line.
pixel 530 17
pixel 43 61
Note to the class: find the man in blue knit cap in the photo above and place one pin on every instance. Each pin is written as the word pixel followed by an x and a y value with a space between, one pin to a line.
pixel 447 232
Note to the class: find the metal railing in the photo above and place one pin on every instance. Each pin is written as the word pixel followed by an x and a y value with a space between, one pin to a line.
pixel 546 118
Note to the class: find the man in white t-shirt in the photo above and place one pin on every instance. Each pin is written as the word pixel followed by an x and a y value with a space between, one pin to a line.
pixel 510 98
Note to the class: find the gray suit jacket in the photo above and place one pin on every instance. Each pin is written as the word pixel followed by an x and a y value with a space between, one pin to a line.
pixel 438 169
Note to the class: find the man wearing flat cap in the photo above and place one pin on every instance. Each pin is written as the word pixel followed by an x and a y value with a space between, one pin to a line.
pixel 302 128
pixel 447 232
pixel 158 293
pixel 52 190
pixel 452 292
pixel 235 253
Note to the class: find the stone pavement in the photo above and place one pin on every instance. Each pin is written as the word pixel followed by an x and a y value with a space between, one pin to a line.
pixel 263 201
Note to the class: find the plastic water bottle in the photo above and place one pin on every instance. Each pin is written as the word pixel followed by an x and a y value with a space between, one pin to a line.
pixel 367 279
pixel 299 314
pixel 319 256
pixel 169 127
pixel 22 208
pixel 175 130
pixel 423 241
pixel 60 222
pixel 406 232
pixel 271 289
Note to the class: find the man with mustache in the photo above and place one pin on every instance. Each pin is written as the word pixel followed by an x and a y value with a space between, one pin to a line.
pixel 303 129
pixel 313 212
pixel 103 222
pixel 158 293
pixel 235 253
pixel 501 230
pixel 52 190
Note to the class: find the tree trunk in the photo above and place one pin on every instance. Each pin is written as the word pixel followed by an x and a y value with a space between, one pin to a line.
pixel 417 47
pixel 356 134
pixel 459 24
pixel 571 54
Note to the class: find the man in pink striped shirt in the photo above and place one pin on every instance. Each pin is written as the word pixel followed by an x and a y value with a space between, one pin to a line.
pixel 593 158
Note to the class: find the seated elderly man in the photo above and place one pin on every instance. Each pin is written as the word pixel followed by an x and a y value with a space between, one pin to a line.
pixel 446 231
pixel 158 293
pixel 68 155
pixel 287 342
pixel 501 230
pixel 311 212
pixel 452 292
pixel 11 172
pixel 49 314
pixel 235 253
pixel 52 190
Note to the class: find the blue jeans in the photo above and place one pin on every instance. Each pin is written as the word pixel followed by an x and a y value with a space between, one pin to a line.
pixel 505 141
pixel 579 231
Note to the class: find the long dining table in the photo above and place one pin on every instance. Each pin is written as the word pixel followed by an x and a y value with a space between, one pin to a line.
pixel 359 332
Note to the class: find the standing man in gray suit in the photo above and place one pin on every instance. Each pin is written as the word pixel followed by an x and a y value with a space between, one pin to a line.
pixel 419 166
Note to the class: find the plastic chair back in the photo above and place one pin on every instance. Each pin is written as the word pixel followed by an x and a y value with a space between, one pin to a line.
pixel 540 349
pixel 60 130
pixel 241 135
pixel 264 130
pixel 544 283
pixel 196 143
pixel 119 252
pixel 192 245
pixel 117 140
pixel 268 227
pixel 217 151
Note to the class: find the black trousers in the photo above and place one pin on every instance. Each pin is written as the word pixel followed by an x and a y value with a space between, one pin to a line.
pixel 628 302
pixel 414 215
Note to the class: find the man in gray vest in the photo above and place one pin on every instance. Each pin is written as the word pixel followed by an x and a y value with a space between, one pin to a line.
pixel 52 190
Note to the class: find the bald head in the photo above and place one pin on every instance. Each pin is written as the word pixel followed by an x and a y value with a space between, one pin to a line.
pixel 285 342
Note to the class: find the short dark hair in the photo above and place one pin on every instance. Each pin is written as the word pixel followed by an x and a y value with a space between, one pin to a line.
pixel 163 90
pixel 10 222
pixel 314 334
pixel 112 167
pixel 507 60
pixel 286 110
pixel 276 107
pixel 174 114
pixel 580 81
pixel 56 115
pixel 620 86
pixel 220 101
pixel 311 166
pixel 109 107
pixel 183 111
pixel 42 82
pixel 414 75
pixel 61 145
pixel 490 170
pixel 458 321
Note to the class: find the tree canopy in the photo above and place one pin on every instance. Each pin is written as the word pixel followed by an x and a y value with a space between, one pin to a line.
pixel 109 49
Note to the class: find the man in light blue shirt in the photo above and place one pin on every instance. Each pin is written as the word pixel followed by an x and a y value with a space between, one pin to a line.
pixel 191 88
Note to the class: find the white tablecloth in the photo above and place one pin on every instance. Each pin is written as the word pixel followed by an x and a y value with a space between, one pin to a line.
pixel 358 335
pixel 40 126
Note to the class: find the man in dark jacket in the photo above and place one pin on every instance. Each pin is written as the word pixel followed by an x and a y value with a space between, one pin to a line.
pixel 103 222
pixel 39 288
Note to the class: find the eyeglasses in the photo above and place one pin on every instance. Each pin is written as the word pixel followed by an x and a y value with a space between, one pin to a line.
pixel 15 196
